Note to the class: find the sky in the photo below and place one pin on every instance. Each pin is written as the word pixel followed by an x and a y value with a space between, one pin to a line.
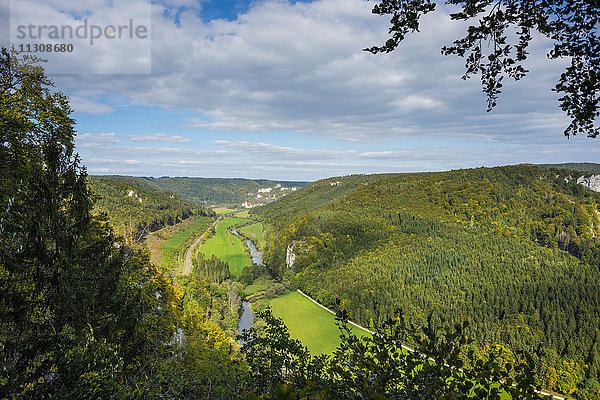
pixel 281 89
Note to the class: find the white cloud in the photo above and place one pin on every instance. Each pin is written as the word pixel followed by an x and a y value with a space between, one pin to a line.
pixel 109 137
pixel 418 102
pixel 239 159
pixel 94 29
pixel 86 105
pixel 264 151
pixel 301 68
pixel 159 137
pixel 115 161
pixel 99 149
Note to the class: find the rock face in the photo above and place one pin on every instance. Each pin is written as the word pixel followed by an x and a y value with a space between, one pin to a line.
pixel 591 182
pixel 290 256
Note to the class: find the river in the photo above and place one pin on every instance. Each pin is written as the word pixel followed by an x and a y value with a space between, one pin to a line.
pixel 247 318
pixel 254 253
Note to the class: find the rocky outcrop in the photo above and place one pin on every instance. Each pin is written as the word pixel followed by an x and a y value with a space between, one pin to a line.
pixel 591 182
pixel 290 257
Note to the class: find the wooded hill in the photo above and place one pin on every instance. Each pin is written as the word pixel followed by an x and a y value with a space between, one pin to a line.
pixel 219 191
pixel 515 249
pixel 135 207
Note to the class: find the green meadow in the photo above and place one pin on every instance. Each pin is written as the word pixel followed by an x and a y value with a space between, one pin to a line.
pixel 223 210
pixel 173 247
pixel 314 326
pixel 242 214
pixel 254 232
pixel 309 323
pixel 227 246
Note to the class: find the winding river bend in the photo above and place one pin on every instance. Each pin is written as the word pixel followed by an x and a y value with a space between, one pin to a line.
pixel 247 318
pixel 254 253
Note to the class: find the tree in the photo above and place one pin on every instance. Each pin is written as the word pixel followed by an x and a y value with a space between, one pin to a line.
pixel 489 49
pixel 45 224
pixel 75 304
pixel 442 365
pixel 276 359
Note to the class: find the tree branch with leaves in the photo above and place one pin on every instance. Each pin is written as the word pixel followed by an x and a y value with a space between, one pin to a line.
pixel 496 45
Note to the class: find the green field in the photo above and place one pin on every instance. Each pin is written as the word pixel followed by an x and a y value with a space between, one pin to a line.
pixel 309 323
pixel 254 232
pixel 314 326
pixel 172 247
pixel 227 246
pixel 223 210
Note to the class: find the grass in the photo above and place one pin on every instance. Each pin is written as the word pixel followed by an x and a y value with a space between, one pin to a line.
pixel 227 246
pixel 259 286
pixel 309 323
pixel 155 240
pixel 314 326
pixel 173 246
pixel 255 232
pixel 242 214
pixel 222 210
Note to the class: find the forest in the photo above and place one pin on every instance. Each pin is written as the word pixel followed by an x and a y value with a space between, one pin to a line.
pixel 136 208
pixel 587 168
pixel 515 249
pixel 218 191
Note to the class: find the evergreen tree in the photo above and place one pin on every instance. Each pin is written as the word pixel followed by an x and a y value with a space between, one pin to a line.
pixel 66 287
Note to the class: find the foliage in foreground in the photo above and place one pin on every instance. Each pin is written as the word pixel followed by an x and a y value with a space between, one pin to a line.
pixel 82 315
pixel 442 365
pixel 496 45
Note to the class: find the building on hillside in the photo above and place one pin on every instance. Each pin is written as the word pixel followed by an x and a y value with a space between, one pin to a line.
pixel 247 204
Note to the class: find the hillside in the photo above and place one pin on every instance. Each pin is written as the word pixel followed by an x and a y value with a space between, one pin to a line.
pixel 220 191
pixel 316 195
pixel 135 207
pixel 515 249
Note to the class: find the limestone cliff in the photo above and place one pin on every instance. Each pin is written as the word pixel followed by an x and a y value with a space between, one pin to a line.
pixel 591 182
pixel 290 256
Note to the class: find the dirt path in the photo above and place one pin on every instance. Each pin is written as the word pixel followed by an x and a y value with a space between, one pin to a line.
pixel 188 254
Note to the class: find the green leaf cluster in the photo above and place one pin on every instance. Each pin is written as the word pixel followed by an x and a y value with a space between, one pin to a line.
pixel 496 45
pixel 83 315
pixel 441 366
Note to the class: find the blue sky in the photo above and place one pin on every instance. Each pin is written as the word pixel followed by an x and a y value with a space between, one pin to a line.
pixel 281 90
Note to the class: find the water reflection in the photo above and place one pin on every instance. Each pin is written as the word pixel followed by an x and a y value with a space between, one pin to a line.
pixel 254 253
pixel 246 319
